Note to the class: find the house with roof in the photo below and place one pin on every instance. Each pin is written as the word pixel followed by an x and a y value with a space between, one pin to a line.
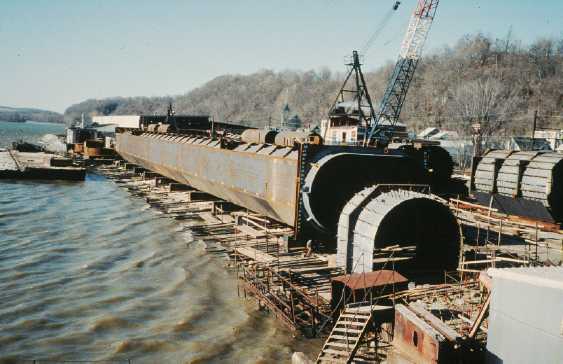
pixel 527 143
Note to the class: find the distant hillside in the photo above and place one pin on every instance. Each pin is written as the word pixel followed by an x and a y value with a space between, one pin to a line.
pixel 16 114
pixel 497 82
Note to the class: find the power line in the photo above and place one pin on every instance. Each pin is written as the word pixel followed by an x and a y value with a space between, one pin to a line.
pixel 477 116
pixel 381 25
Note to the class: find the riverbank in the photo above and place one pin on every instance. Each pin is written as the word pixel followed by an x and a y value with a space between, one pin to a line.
pixel 22 114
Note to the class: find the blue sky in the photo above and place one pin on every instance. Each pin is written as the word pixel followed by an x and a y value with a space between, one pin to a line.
pixel 54 53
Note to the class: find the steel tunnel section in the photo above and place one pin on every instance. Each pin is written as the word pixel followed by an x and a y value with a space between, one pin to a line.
pixel 334 179
pixel 305 190
pixel 374 219
pixel 264 178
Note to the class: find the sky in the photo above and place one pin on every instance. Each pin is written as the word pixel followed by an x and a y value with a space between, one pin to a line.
pixel 55 53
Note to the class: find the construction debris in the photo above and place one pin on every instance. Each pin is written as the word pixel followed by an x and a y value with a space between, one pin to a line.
pixel 38 166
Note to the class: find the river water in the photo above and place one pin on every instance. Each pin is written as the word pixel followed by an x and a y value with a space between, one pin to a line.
pixel 88 272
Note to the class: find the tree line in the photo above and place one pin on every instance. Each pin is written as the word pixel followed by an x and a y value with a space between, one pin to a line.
pixel 497 82
pixel 23 114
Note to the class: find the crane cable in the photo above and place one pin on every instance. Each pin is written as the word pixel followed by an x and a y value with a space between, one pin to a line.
pixel 382 24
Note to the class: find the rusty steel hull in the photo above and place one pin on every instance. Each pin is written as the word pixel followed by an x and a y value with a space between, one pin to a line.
pixel 260 178
pixel 423 339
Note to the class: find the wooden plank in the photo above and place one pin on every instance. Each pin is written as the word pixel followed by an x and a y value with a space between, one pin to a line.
pixel 362 316
pixel 316 269
pixel 477 262
pixel 480 317
pixel 336 352
pixel 255 254
pixel 346 330
pixel 436 323
pixel 331 359
pixel 366 309
pixel 351 323
pixel 247 230
pixel 349 346
pixel 340 337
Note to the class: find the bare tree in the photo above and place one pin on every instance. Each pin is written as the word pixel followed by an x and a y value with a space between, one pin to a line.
pixel 479 79
pixel 542 55
pixel 486 101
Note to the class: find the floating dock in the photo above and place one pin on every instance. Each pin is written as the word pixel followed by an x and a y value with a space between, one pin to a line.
pixel 38 166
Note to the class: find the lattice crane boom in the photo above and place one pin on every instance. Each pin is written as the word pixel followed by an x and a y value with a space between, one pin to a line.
pixel 418 29
pixel 411 51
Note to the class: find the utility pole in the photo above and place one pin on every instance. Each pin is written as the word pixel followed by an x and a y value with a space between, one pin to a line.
pixel 477 139
pixel 212 127
pixel 534 129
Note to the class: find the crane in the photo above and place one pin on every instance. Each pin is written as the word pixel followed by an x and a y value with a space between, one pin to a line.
pixel 398 85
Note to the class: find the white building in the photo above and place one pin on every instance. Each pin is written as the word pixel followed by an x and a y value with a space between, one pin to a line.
pixel 341 130
pixel 527 143
pixel 553 136
pixel 428 132
pixel 120 121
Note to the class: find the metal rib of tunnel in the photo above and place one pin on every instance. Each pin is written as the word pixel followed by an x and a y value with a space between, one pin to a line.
pixel 372 219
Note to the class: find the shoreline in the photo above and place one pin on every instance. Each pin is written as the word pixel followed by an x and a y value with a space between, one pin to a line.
pixel 62 123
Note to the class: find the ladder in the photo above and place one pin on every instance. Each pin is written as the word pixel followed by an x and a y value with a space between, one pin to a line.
pixel 16 162
pixel 345 338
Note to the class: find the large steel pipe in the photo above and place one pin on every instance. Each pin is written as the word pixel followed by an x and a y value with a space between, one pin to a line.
pixel 510 173
pixel 258 136
pixel 334 179
pixel 487 170
pixel 436 160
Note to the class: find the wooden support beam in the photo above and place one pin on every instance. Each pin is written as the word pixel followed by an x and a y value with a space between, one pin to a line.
pixel 480 317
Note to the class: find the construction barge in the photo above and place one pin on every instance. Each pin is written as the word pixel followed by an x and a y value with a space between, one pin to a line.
pixel 22 165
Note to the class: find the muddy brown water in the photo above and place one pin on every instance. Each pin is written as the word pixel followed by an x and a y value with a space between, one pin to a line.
pixel 88 272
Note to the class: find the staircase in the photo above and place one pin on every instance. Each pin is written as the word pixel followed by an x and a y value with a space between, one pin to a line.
pixel 346 336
